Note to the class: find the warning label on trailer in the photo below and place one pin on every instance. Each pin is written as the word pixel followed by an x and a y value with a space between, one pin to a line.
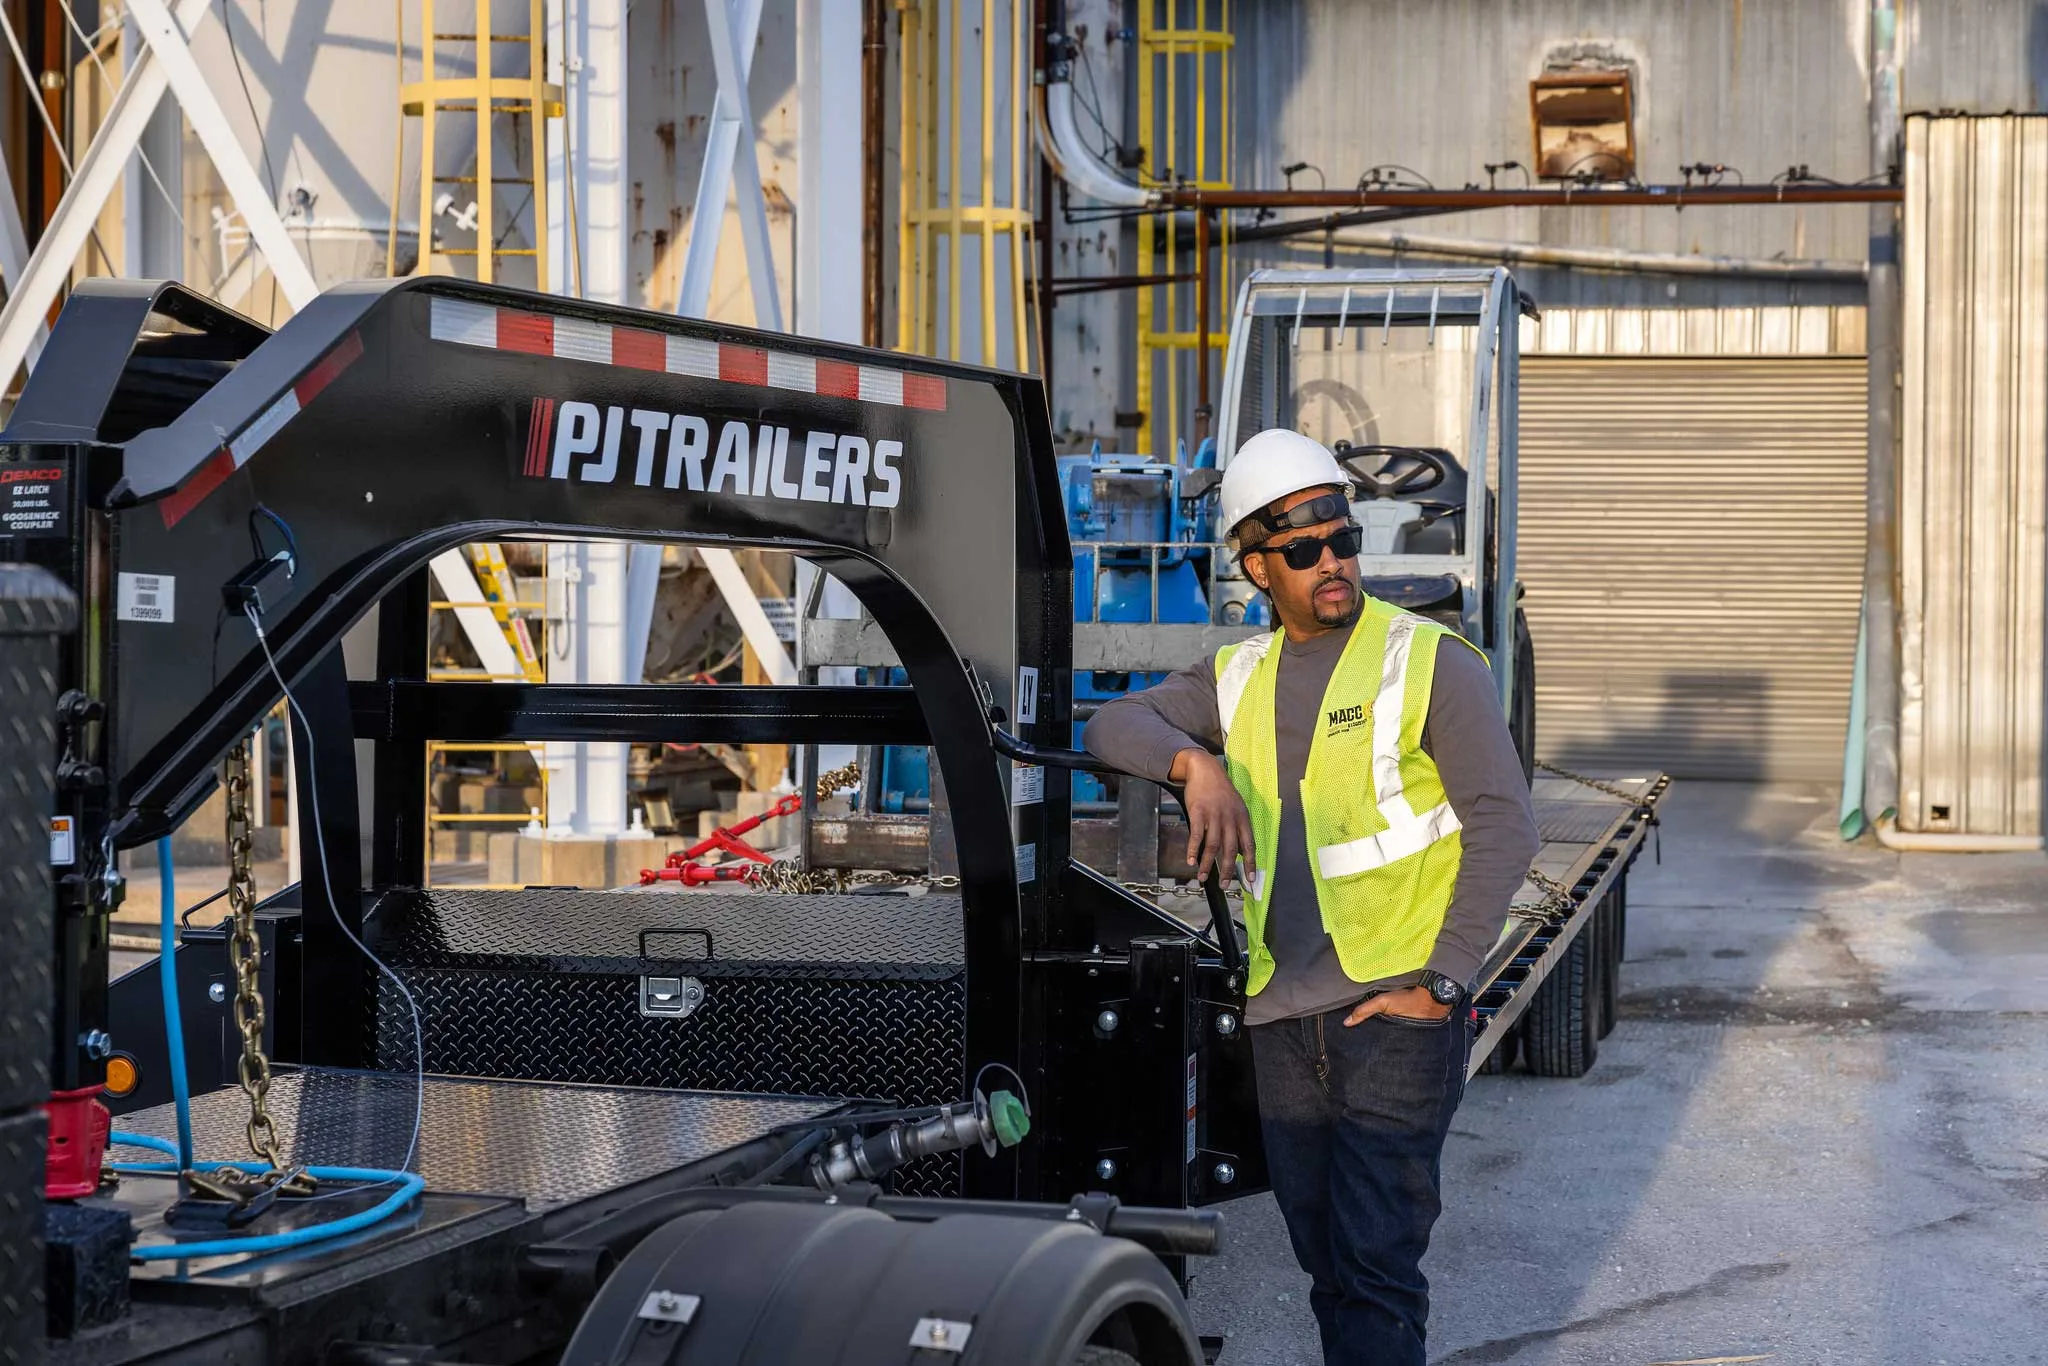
pixel 32 501
pixel 63 844
pixel 1193 1090
pixel 1027 863
pixel 1027 785
pixel 145 597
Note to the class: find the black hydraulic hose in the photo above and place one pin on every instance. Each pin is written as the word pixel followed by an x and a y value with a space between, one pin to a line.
pixel 1052 756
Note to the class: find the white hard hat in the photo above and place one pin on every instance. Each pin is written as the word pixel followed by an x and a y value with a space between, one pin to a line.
pixel 1270 466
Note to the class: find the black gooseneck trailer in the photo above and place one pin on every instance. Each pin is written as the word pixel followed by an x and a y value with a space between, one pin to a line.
pixel 590 1154
pixel 620 1099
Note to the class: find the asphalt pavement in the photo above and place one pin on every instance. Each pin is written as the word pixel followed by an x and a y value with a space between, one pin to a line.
pixel 1819 1132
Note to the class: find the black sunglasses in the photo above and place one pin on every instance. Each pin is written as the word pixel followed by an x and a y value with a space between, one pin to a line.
pixel 1307 552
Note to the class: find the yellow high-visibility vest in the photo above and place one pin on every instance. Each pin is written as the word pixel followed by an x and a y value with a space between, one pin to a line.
pixel 1383 843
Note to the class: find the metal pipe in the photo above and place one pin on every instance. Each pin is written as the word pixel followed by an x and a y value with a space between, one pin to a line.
pixel 1881 524
pixel 874 45
pixel 1201 341
pixel 1606 258
pixel 1564 196
pixel 1956 842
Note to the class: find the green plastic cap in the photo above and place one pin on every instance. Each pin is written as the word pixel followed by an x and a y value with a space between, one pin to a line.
pixel 1011 1120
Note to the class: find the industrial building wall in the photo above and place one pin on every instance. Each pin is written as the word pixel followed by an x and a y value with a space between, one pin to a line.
pixel 1974 475
pixel 1691 537
pixel 1442 87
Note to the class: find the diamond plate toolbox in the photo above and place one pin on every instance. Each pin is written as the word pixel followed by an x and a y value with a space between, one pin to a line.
pixel 800 995
pixel 35 610
pixel 21 1238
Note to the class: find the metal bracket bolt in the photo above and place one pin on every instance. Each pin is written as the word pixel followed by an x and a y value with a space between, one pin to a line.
pixel 1226 1024
pixel 217 993
pixel 1105 1170
pixel 1107 1021
pixel 98 1045
pixel 1224 1173
pixel 666 1306
pixel 941 1335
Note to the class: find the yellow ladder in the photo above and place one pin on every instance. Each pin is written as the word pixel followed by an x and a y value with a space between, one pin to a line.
pixel 1184 51
pixel 482 96
pixel 494 576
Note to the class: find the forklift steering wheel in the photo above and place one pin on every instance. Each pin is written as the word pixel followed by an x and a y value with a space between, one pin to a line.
pixel 1394 471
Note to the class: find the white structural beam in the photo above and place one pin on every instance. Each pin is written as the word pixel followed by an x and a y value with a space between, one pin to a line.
pixel 746 607
pixel 14 253
pixel 729 152
pixel 168 40
pixel 828 84
pixel 29 297
pixel 596 585
pixel 478 622
pixel 828 256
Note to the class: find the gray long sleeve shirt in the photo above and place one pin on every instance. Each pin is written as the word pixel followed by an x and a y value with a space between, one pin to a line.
pixel 1464 733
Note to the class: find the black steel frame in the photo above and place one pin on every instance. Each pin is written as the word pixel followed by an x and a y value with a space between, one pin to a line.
pixel 415 445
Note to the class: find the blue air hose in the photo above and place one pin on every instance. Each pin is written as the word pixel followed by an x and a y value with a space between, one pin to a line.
pixel 410 1184
pixel 174 1023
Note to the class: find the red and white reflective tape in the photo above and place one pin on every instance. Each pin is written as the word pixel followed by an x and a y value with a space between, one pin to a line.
pixel 252 438
pixel 542 334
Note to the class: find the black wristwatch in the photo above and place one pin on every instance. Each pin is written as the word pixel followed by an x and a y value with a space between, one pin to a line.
pixel 1442 989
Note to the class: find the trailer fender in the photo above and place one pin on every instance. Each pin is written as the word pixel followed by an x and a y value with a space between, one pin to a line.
pixel 849 1285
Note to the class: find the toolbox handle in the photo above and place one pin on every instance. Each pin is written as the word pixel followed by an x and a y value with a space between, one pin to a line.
pixel 675 929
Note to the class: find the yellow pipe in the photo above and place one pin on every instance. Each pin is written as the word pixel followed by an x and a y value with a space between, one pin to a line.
pixel 988 181
pixel 537 125
pixel 486 209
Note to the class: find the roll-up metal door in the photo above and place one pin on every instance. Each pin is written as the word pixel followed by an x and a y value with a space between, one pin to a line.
pixel 1692 545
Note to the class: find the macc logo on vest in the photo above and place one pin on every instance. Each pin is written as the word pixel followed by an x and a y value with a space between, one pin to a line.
pixel 580 441
pixel 1345 718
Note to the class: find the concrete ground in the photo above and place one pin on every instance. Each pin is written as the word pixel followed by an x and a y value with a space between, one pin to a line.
pixel 1819 1132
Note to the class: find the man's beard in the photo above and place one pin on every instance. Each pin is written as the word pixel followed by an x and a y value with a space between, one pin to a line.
pixel 1337 614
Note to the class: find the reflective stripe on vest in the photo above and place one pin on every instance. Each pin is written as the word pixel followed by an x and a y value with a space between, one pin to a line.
pixel 1384 874
pixel 1406 832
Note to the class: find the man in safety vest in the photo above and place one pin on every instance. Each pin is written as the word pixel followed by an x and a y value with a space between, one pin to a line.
pixel 1370 788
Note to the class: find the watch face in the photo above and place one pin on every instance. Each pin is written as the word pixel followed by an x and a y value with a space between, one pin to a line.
pixel 1445 990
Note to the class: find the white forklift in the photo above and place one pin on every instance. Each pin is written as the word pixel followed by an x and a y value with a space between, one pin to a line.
pixel 1409 376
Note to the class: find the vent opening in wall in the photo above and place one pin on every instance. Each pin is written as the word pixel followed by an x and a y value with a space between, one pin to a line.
pixel 1584 122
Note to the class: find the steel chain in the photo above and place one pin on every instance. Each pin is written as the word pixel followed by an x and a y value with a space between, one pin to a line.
pixel 245 956
pixel 1635 799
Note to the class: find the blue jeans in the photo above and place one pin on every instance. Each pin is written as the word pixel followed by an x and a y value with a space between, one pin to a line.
pixel 1354 1122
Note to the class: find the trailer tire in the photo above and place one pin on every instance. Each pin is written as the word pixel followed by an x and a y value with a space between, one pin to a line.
pixel 1560 1032
pixel 1522 707
pixel 1103 1356
pixel 1503 1055
pixel 1608 939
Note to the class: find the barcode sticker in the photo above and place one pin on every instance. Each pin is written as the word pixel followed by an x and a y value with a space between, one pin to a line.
pixel 146 597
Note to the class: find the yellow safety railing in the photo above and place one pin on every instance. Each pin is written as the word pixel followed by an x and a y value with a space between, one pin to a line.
pixel 437 748
pixel 483 96
pixel 938 165
pixel 494 577
pixel 1184 53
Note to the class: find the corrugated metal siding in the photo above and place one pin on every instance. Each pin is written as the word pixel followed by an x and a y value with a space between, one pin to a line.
pixel 1816 330
pixel 1692 543
pixel 1442 86
pixel 1974 474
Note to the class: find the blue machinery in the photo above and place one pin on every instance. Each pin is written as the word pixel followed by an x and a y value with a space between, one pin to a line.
pixel 1143 534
